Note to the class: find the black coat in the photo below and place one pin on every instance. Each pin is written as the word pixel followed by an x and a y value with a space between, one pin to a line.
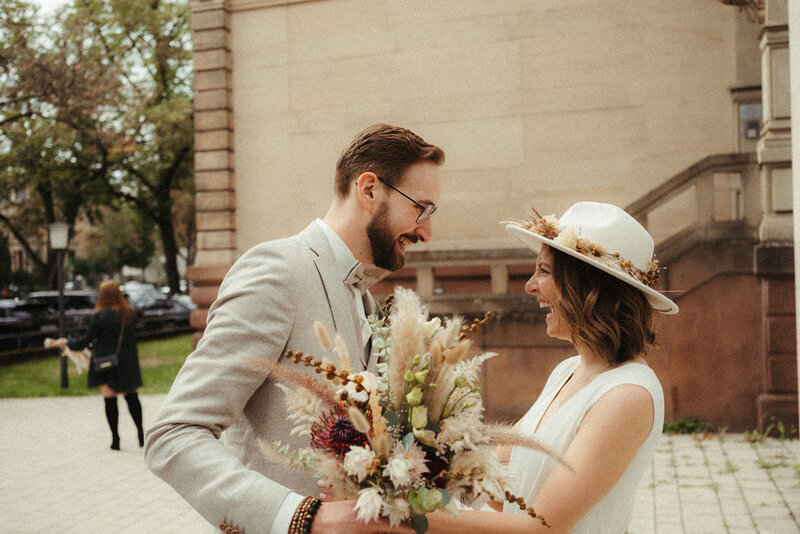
pixel 103 336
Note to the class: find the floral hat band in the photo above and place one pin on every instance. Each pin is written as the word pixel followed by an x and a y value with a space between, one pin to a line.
pixel 602 235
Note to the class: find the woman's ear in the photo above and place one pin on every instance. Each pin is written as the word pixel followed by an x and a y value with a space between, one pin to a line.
pixel 365 190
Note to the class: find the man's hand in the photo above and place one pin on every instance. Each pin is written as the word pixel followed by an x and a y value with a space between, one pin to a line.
pixel 340 518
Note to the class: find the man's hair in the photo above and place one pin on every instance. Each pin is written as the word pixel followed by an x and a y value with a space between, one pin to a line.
pixel 606 315
pixel 386 151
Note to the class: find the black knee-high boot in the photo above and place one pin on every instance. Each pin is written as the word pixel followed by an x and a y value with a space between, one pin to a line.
pixel 135 407
pixel 112 414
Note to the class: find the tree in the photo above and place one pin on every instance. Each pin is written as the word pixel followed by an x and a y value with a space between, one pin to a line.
pixel 5 262
pixel 124 238
pixel 113 79
pixel 46 174
pixel 151 127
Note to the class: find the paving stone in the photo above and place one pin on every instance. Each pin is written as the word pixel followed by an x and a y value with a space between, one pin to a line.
pixel 56 480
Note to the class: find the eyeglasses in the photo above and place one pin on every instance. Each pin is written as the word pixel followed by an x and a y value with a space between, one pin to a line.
pixel 425 210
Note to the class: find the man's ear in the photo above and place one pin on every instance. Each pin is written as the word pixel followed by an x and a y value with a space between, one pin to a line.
pixel 365 190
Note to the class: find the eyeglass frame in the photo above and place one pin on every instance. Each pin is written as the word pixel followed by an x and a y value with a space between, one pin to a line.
pixel 426 210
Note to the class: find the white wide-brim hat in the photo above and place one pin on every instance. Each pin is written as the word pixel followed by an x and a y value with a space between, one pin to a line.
pixel 604 236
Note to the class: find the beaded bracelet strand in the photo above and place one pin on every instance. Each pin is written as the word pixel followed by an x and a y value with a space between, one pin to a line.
pixel 304 516
pixel 519 501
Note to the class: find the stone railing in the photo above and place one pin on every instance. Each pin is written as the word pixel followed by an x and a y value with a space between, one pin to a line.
pixel 717 197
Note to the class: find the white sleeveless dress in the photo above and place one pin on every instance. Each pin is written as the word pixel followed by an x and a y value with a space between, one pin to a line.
pixel 528 469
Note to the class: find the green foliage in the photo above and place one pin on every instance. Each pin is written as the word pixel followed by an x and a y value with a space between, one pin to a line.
pixel 96 111
pixel 160 360
pixel 775 428
pixel 689 425
pixel 124 238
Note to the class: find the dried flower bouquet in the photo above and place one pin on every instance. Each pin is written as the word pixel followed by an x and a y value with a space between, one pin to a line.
pixel 411 439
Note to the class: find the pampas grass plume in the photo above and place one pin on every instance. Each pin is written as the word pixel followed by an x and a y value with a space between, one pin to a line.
pixel 344 354
pixel 380 441
pixel 503 434
pixel 358 419
pixel 455 354
pixel 408 322
pixel 315 387
pixel 322 335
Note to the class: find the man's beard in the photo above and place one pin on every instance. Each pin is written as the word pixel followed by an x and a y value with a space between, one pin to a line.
pixel 383 243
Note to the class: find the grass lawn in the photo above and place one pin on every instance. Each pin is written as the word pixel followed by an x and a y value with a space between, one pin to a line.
pixel 159 360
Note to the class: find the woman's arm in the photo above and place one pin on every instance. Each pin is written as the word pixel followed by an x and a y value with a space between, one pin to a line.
pixel 91 334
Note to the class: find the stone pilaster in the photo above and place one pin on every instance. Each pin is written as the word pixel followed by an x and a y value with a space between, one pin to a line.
pixel 794 43
pixel 775 145
pixel 773 259
pixel 215 199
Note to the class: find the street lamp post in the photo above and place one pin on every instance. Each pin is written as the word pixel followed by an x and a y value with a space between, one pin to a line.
pixel 59 237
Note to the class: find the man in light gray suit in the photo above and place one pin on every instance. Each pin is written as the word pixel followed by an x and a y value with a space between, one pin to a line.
pixel 386 188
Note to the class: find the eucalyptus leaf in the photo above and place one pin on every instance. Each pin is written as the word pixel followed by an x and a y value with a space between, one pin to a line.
pixel 419 523
pixel 408 439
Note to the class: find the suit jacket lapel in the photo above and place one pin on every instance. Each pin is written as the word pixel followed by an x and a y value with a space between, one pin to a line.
pixel 340 300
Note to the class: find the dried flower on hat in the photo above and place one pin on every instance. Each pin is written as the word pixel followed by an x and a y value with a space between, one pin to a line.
pixel 548 227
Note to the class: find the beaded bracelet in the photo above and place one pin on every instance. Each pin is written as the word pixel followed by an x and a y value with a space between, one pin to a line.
pixel 304 516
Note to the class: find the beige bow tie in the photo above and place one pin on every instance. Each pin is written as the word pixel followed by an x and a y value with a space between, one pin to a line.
pixel 359 279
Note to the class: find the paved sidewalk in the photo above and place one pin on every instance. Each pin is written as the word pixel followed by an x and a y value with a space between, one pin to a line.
pixel 57 476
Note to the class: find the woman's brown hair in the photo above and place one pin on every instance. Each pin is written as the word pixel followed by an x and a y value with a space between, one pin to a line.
pixel 110 297
pixel 605 315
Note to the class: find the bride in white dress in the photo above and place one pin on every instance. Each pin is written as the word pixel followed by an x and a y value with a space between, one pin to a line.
pixel 602 409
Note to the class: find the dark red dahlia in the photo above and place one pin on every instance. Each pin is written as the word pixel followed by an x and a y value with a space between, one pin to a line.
pixel 335 434
pixel 436 464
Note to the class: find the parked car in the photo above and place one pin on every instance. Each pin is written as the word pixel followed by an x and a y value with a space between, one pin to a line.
pixel 17 327
pixel 162 313
pixel 14 319
pixel 140 293
pixel 78 310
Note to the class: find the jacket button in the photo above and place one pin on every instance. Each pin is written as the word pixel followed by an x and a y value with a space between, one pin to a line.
pixel 234 531
pixel 223 526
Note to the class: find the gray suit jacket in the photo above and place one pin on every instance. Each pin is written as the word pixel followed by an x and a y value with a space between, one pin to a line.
pixel 267 305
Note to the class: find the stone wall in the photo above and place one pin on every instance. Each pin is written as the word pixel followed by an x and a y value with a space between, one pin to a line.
pixel 534 102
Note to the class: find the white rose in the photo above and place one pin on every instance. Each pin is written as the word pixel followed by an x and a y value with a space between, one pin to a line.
pixel 397 510
pixel 397 469
pixel 369 504
pixel 567 238
pixel 358 461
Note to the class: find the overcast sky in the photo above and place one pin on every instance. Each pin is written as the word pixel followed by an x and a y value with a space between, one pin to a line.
pixel 48 5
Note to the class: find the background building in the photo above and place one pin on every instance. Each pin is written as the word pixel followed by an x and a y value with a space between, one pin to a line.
pixel 678 110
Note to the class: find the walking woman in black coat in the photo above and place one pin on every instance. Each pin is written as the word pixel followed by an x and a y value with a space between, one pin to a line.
pixel 113 313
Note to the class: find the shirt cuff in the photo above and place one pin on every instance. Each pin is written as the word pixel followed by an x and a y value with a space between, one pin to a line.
pixel 283 518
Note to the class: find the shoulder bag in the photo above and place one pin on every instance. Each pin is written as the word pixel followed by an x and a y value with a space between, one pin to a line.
pixel 109 361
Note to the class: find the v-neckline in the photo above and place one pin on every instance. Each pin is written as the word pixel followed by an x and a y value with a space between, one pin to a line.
pixel 543 419
pixel 545 416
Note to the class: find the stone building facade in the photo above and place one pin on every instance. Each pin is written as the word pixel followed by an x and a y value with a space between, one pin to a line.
pixel 677 110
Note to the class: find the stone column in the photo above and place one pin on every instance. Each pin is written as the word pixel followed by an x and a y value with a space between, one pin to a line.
pixel 215 199
pixel 794 55
pixel 773 259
